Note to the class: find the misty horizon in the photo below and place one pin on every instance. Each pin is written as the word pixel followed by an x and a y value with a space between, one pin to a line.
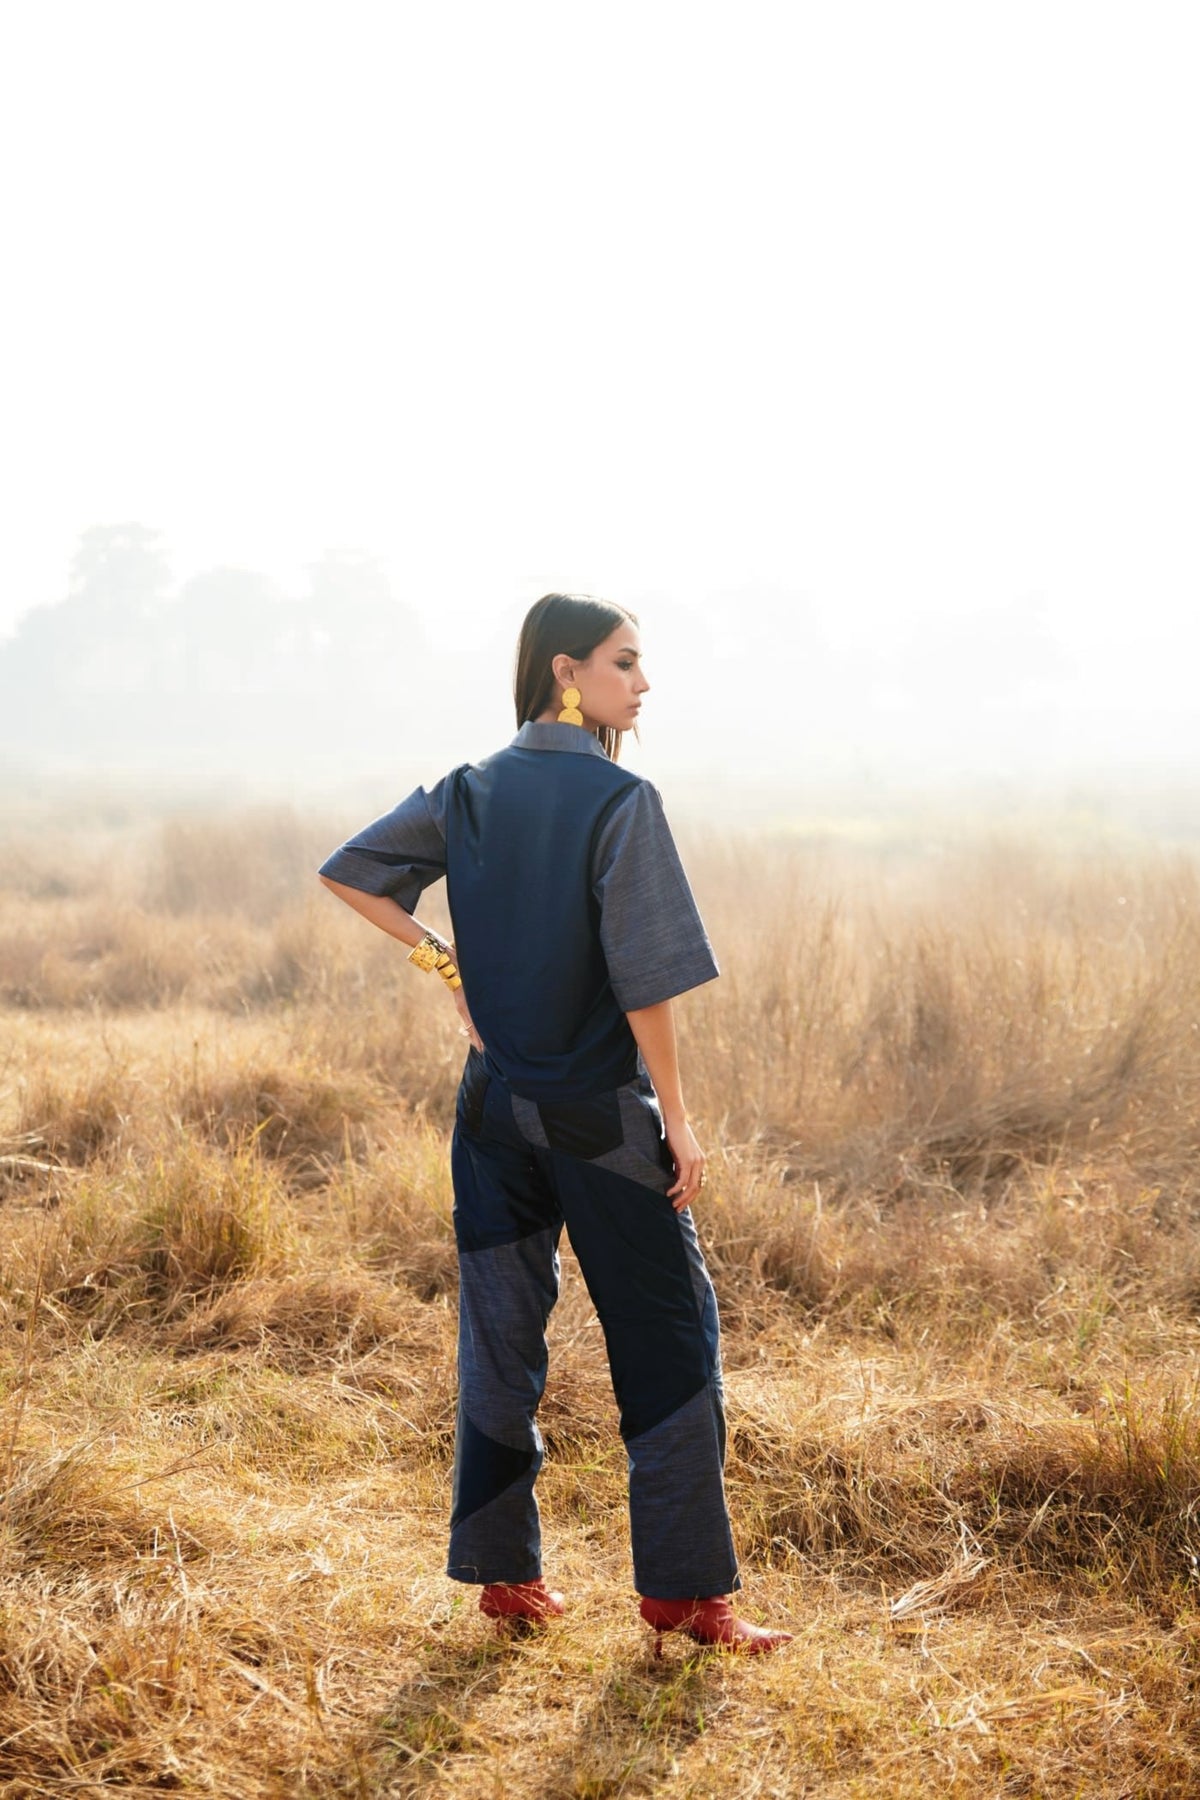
pixel 877 411
pixel 761 709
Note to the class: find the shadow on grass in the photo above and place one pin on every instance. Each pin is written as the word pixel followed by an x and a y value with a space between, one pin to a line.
pixel 641 1716
pixel 427 1723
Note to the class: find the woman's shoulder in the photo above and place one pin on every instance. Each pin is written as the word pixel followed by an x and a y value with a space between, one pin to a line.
pixel 584 769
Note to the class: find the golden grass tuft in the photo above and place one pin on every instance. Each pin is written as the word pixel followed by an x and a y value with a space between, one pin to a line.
pixel 149 1239
pixel 74 1120
pixel 305 1118
pixel 951 1104
pixel 203 1221
pixel 317 1316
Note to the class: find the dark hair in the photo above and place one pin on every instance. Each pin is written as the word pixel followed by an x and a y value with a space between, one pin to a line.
pixel 572 624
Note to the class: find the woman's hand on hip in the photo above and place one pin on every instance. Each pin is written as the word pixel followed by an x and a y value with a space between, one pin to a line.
pixel 689 1160
pixel 468 1026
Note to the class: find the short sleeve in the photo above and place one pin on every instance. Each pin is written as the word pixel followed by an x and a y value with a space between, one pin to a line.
pixel 652 934
pixel 401 854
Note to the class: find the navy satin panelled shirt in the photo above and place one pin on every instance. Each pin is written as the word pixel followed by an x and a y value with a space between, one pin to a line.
pixel 569 903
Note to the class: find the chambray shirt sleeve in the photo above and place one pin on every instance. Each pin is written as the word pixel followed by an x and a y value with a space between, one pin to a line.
pixel 401 853
pixel 651 931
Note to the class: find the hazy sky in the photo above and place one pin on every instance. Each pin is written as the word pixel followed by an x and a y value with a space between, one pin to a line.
pixel 885 312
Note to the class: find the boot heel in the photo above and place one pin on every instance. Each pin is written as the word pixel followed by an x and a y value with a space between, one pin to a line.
pixel 708 1621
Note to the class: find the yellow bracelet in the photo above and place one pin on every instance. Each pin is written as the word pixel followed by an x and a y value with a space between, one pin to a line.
pixel 432 954
pixel 447 970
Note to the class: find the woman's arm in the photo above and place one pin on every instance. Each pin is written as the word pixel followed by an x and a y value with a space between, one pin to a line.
pixel 381 910
pixel 391 917
pixel 654 1029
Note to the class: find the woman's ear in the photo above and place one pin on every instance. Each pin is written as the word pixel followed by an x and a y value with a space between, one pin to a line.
pixel 564 669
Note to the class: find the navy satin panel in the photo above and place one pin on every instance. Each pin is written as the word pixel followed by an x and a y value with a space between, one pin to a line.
pixel 582 1127
pixel 483 1470
pixel 529 949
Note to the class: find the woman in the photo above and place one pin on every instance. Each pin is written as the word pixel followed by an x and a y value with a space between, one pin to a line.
pixel 574 927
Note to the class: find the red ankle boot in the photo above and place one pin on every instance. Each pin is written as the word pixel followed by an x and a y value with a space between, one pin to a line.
pixel 528 1602
pixel 711 1621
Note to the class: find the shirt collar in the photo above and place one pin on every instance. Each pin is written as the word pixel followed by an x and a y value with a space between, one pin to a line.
pixel 547 734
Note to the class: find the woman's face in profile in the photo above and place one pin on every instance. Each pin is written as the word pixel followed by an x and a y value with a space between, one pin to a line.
pixel 611 682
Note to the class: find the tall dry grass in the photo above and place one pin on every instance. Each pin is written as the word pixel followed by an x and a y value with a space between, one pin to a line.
pixel 953 1115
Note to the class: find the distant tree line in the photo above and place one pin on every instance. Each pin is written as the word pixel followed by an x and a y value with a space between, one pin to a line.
pixel 127 668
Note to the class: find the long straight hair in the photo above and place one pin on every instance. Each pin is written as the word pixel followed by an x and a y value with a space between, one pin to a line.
pixel 572 624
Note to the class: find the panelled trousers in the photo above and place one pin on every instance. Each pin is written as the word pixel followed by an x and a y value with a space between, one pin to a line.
pixel 521 1169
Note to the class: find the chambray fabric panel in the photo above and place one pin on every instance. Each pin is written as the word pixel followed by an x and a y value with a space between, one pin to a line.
pixel 630 1249
pixel 507 1225
pixel 484 1466
pixel 495 1526
pixel 529 1121
pixel 619 1130
pixel 506 1295
pixel 643 1268
pixel 401 853
pixel 508 1228
pixel 643 1154
pixel 676 1558
pixel 653 937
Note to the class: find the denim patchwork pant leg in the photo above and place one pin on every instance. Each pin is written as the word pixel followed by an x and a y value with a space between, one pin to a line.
pixel 521 1168
pixel 507 1224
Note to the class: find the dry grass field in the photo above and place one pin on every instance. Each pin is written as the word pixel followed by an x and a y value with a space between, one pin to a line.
pixel 952 1105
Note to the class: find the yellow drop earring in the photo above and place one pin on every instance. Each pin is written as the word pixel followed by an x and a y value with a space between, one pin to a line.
pixel 570 714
